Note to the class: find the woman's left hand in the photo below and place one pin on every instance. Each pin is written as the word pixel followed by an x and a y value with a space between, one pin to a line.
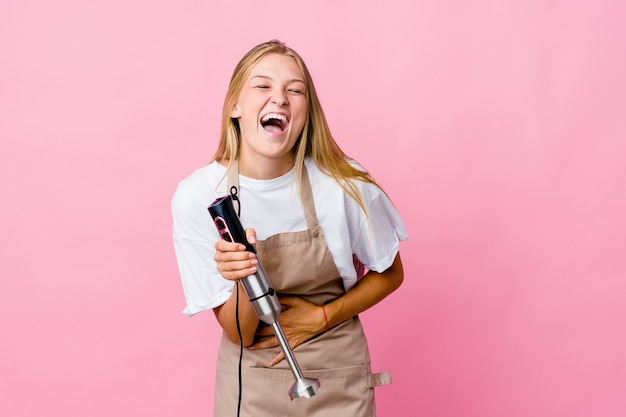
pixel 300 320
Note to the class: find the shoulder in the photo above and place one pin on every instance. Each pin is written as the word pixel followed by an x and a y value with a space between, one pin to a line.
pixel 192 197
pixel 203 183
pixel 318 177
pixel 327 189
pixel 317 172
pixel 203 177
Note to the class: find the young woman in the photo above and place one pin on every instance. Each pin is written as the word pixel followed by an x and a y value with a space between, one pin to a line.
pixel 316 219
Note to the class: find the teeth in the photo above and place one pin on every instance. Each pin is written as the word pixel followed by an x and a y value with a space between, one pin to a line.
pixel 276 116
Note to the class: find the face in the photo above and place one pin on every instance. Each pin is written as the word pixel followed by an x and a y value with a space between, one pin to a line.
pixel 271 110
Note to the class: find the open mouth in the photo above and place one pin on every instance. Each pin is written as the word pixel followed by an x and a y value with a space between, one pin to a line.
pixel 274 122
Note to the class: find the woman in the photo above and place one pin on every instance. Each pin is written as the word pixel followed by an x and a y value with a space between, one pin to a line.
pixel 316 218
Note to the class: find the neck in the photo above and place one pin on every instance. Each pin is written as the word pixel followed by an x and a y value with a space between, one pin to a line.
pixel 265 168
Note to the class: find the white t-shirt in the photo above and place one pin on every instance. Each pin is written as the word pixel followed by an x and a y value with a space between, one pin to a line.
pixel 271 207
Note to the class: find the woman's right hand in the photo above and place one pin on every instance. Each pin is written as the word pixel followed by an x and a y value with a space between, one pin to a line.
pixel 233 261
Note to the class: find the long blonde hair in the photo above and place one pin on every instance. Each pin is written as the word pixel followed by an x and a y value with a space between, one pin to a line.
pixel 315 141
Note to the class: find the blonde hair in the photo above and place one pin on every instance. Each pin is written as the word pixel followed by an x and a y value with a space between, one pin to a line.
pixel 315 140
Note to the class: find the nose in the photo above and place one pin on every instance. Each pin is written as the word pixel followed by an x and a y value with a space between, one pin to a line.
pixel 279 98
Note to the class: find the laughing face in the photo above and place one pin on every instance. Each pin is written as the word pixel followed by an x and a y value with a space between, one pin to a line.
pixel 271 110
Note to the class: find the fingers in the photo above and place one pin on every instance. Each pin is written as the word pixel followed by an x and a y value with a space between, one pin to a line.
pixel 269 343
pixel 289 300
pixel 251 236
pixel 281 355
pixel 277 359
pixel 264 331
pixel 233 261
pixel 264 343
pixel 226 246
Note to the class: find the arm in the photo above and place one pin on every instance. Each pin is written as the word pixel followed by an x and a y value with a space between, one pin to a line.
pixel 234 263
pixel 370 290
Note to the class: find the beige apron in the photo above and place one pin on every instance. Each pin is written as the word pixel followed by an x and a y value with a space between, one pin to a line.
pixel 299 263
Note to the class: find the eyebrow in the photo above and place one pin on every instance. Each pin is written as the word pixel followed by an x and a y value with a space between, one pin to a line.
pixel 293 80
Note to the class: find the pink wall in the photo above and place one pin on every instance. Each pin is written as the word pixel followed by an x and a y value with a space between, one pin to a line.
pixel 497 128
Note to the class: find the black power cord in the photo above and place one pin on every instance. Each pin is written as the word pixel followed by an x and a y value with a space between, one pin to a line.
pixel 233 194
pixel 240 349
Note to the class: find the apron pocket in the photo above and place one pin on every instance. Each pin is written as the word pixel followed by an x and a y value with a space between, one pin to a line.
pixel 346 391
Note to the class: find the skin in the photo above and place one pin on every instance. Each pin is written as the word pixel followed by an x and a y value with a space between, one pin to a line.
pixel 276 84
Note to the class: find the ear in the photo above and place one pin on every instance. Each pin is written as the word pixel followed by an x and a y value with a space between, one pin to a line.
pixel 236 113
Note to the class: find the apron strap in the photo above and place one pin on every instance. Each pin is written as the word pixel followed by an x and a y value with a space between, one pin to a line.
pixel 376 380
pixel 233 183
pixel 308 204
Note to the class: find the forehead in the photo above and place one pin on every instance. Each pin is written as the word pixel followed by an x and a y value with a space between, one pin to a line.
pixel 277 66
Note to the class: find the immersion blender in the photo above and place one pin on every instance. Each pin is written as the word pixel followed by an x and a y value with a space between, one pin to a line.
pixel 260 292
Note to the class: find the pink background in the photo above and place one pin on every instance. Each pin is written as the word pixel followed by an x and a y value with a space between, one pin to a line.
pixel 496 127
